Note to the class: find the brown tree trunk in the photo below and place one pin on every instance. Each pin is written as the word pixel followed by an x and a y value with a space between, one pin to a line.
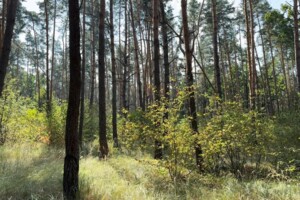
pixel 83 63
pixel 114 79
pixel 71 165
pixel 93 65
pixel 125 56
pixel 48 102
pixel 53 51
pixel 158 154
pixel 6 47
pixel 136 58
pixel 296 41
pixel 38 85
pixel 215 49
pixel 250 52
pixel 190 80
pixel 270 108
pixel 102 104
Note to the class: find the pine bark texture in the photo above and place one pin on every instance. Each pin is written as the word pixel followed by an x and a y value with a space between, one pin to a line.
pixel 71 165
pixel 190 82
pixel 103 150
pixel 6 46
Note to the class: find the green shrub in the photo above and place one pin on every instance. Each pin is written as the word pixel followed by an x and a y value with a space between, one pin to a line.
pixel 231 137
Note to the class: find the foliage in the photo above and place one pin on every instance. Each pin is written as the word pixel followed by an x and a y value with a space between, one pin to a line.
pixel 56 122
pixel 231 137
pixel 163 122
pixel 22 120
pixel 287 132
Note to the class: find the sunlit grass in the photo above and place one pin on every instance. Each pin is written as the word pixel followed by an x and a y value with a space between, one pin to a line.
pixel 34 171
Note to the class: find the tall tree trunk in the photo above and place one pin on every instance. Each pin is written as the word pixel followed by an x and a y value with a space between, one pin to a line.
pixel 6 47
pixel 48 102
pixel 93 65
pixel 83 63
pixel 164 31
pixel 102 104
pixel 285 75
pixel 273 69
pixel 158 146
pixel 38 85
pixel 296 41
pixel 125 56
pixel 71 165
pixel 53 51
pixel 114 79
pixel 250 51
pixel 190 80
pixel 270 108
pixel 136 58
pixel 215 49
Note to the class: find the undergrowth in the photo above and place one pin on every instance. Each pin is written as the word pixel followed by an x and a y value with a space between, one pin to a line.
pixel 34 171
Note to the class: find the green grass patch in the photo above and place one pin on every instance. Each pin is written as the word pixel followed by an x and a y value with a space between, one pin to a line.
pixel 34 171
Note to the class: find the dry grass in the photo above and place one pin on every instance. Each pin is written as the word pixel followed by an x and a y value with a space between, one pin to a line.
pixel 34 171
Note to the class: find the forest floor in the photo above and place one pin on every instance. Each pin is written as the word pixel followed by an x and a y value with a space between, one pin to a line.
pixel 34 171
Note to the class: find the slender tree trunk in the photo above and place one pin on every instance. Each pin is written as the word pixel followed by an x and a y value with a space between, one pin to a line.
pixel 296 41
pixel 215 49
pixel 53 51
pixel 114 79
pixel 285 75
pixel 102 104
pixel 164 31
pixel 270 108
pixel 190 80
pixel 158 154
pixel 136 58
pixel 125 76
pixel 71 165
pixel 83 63
pixel 93 66
pixel 253 75
pixel 48 104
pixel 37 65
pixel 250 51
pixel 6 47
pixel 273 70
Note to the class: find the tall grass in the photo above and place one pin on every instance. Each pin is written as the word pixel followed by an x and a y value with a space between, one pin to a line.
pixel 34 171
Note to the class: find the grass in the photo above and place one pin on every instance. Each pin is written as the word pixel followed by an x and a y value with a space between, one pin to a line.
pixel 34 171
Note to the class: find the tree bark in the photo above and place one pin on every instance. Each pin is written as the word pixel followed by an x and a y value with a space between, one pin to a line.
pixel 53 51
pixel 296 41
pixel 48 102
pixel 82 95
pixel 71 165
pixel 93 66
pixel 103 150
pixel 190 80
pixel 6 46
pixel 215 50
pixel 158 154
pixel 114 79
pixel 136 58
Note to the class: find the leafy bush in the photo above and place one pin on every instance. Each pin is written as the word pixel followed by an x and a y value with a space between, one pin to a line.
pixel 231 137
pixel 162 122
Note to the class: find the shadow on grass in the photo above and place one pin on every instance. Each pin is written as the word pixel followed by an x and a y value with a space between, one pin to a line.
pixel 31 175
